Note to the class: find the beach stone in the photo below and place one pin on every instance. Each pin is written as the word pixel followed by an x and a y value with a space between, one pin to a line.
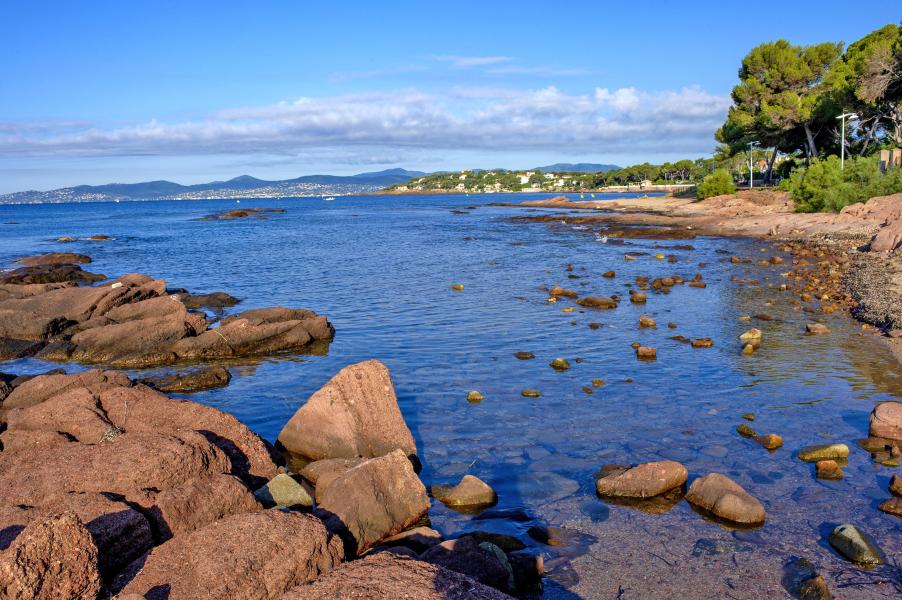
pixel 702 343
pixel 384 575
pixel 645 321
pixel 892 506
pixel 524 355
pixel 482 561
pixel 642 481
pixel 828 469
pixel 597 302
pixel 560 364
pixel 418 539
pixel 770 441
pixel 322 473
pixel 726 499
pixel 474 397
pixel 258 555
pixel 52 559
pixel 748 350
pixel 646 353
pixel 284 491
pixel 855 545
pixel 816 329
pixel 507 543
pixel 824 452
pixel 376 499
pixel 194 380
pixel 558 291
pixel 886 420
pixel 54 258
pixel 355 414
pixel 469 492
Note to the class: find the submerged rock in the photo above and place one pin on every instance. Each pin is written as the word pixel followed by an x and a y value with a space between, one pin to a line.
pixel 816 329
pixel 524 355
pixel 645 322
pixel 531 393
pixel 828 469
pixel 892 506
pixel 824 452
pixel 560 364
pixel 213 300
pixel 193 380
pixel 474 397
pixel 641 481
pixel 470 492
pixel 886 420
pixel 597 302
pixel 54 258
pixel 702 343
pixel 646 353
pixel 802 581
pixel 483 561
pixel 855 545
pixel 558 291
pixel 726 499
pixel 355 414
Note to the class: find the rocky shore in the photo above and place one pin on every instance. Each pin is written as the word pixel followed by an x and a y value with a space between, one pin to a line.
pixel 868 236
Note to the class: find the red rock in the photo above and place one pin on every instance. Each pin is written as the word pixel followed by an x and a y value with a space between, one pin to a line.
pixel 374 500
pixel 895 485
pixel 726 499
pixel 469 492
pixel 253 556
pixel 642 481
pixel 355 414
pixel 886 420
pixel 322 473
pixel 52 559
pixel 54 258
pixel 386 576
pixel 38 389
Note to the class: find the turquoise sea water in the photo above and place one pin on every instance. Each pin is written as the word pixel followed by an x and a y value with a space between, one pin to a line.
pixel 381 269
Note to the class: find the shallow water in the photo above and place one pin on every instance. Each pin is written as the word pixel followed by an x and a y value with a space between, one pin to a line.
pixel 381 269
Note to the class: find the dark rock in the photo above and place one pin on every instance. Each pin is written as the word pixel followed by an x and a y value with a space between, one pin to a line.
pixel 49 273
pixel 54 258
pixel 482 561
pixel 213 300
pixel 192 380
pixel 855 545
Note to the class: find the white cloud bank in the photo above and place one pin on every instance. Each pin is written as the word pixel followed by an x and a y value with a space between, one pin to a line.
pixel 503 120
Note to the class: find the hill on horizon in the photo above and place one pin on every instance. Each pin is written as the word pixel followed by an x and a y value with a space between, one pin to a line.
pixel 577 168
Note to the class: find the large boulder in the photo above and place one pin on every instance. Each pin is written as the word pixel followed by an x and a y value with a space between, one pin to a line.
pixel 322 473
pixel 51 273
pixel 52 559
pixel 54 258
pixel 385 575
pixel 725 499
pixel 254 556
pixel 642 481
pixel 374 500
pixel 355 414
pixel 886 420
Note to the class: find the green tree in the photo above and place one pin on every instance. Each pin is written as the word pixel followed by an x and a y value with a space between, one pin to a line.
pixel 717 183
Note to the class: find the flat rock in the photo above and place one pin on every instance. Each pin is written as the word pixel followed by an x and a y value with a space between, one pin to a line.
pixel 597 302
pixel 54 258
pixel 54 558
pixel 49 273
pixel 384 575
pixel 855 545
pixel 892 506
pixel 726 499
pixel 376 499
pixel 192 380
pixel 355 414
pixel 642 481
pixel 886 420
pixel 469 492
pixel 258 556
pixel 824 452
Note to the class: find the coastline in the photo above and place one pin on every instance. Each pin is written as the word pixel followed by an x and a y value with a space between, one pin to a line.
pixel 872 278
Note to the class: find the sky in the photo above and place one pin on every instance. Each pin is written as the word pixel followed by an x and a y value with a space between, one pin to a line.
pixel 105 91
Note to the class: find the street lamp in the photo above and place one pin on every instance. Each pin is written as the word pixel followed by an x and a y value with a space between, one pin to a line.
pixel 842 144
pixel 751 172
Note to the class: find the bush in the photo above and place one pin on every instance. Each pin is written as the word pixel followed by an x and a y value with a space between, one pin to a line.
pixel 823 186
pixel 717 183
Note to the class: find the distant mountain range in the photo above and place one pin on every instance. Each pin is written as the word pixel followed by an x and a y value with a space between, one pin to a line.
pixel 576 168
pixel 243 186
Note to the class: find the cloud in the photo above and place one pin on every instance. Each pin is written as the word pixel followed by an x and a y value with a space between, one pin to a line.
pixel 502 120
pixel 471 61
pixel 537 71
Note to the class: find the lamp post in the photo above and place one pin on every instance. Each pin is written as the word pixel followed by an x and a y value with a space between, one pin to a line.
pixel 751 172
pixel 842 144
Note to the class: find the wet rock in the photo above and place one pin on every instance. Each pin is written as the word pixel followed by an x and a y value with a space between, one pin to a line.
pixel 680 338
pixel 748 349
pixel 11 349
pixel 284 491
pixel 457 287
pixel 213 300
pixel 54 258
pixel 702 343
pixel 470 492
pixel 560 364
pixel 892 506
pixel 745 431
pixel 558 291
pixel 482 561
pixel 524 355
pixel 886 420
pixel 65 239
pixel 193 380
pixel 645 321
pixel 816 329
pixel 637 297
pixel 418 539
pixel 725 499
pixel 552 536
pixel 749 416
pixel 49 273
pixel 99 238
pixel 824 452
pixel 376 499
pixel 507 543
pixel 54 558
pixel 474 397
pixel 770 441
pixel 354 415
pixel 646 353
pixel 597 382
pixel 802 581
pixel 855 545
pixel 597 302
pixel 383 575
pixel 322 473
pixel 531 393
pixel 609 274
pixel 255 555
pixel 242 213
pixel 642 481
pixel 828 469
pixel 895 485
pixel 752 336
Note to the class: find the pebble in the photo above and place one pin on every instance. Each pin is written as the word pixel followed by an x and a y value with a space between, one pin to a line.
pixel 560 364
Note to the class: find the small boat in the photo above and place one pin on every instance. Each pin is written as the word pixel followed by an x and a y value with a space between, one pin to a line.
pixel 328 198
pixel 592 195
pixel 237 201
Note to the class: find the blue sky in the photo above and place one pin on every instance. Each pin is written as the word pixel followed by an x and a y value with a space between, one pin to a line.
pixel 94 92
